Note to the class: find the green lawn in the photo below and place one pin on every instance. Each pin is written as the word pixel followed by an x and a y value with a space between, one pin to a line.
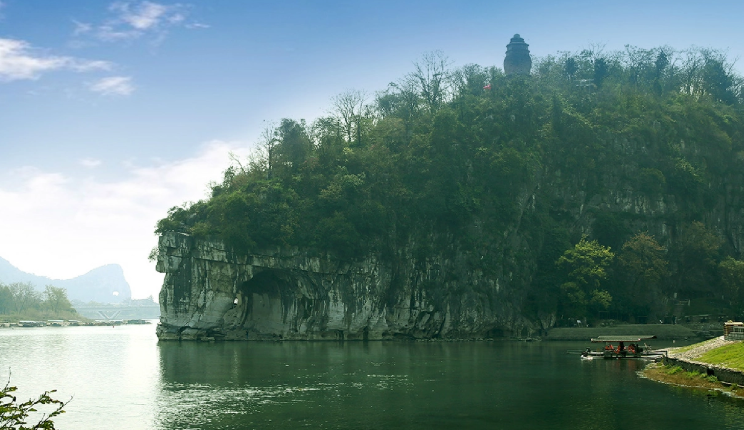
pixel 729 355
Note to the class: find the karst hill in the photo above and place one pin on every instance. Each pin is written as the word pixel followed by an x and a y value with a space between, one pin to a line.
pixel 468 203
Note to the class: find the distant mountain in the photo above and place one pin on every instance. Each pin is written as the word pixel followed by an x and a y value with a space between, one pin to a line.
pixel 105 284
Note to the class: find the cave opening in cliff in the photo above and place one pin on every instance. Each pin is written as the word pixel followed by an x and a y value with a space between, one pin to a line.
pixel 264 301
pixel 267 282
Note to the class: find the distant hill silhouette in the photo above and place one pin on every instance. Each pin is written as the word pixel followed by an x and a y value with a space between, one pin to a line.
pixel 105 284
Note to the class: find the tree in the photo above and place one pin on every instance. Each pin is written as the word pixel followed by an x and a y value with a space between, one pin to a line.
pixel 587 262
pixel 719 81
pixel 570 68
pixel 470 79
pixel 328 137
pixel 432 76
pixel 15 415
pixel 644 265
pixel 56 299
pixel 24 296
pixel 348 107
pixel 731 272
pixel 401 99
pixel 661 66
pixel 293 147
pixel 6 299
pixel 695 252
pixel 586 267
pixel 643 260
pixel 662 61
pixel 267 147
pixel 601 69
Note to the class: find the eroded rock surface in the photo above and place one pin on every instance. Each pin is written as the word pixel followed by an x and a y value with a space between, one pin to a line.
pixel 210 292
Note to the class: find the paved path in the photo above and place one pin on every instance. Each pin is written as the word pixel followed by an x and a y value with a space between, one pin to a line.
pixel 695 353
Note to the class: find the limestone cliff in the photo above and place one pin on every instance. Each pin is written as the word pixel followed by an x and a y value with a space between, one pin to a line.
pixel 210 292
pixel 459 291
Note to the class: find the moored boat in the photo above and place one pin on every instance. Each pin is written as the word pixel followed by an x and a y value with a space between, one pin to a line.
pixel 31 324
pixel 621 347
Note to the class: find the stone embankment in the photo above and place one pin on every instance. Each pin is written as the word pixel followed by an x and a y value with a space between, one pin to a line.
pixel 686 358
pixel 691 354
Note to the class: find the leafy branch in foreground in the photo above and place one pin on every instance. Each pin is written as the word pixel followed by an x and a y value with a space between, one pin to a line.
pixel 14 415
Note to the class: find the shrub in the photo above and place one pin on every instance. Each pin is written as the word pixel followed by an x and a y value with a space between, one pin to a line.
pixel 14 415
pixel 673 370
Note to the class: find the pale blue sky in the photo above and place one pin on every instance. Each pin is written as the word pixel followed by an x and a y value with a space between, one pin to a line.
pixel 111 112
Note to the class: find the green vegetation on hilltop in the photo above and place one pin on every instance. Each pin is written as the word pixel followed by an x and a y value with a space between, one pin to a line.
pixel 591 183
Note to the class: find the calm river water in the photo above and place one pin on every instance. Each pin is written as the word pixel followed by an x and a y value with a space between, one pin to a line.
pixel 122 378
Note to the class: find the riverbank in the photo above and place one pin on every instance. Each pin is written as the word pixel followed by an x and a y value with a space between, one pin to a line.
pixel 675 375
pixel 661 331
pixel 70 323
pixel 714 364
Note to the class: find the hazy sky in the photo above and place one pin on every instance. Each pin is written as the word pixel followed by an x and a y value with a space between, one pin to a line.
pixel 110 113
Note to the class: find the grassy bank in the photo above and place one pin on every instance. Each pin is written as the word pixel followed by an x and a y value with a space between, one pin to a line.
pixel 661 331
pixel 716 351
pixel 731 356
pixel 675 375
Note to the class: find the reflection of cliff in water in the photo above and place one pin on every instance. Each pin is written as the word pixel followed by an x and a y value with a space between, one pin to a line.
pixel 412 385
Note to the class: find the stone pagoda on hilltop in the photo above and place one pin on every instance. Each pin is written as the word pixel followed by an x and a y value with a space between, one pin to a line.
pixel 517 60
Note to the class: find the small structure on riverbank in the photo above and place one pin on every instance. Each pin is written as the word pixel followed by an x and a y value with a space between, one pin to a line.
pixel 733 330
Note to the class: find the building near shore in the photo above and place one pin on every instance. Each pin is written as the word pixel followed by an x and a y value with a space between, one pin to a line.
pixel 733 330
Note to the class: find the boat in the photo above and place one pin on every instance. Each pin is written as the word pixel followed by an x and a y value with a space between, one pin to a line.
pixel 623 347
pixel 31 324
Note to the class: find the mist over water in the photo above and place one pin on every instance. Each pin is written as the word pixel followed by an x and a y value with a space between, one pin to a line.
pixel 122 378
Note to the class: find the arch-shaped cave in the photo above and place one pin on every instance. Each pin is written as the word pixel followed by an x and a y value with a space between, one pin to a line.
pixel 266 282
pixel 263 304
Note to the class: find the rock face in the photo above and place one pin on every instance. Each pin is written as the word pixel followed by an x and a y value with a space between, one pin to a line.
pixel 212 293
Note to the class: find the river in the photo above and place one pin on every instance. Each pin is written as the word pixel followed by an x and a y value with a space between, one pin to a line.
pixel 122 378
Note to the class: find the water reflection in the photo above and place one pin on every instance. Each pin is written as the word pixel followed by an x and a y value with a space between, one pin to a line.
pixel 123 379
pixel 414 385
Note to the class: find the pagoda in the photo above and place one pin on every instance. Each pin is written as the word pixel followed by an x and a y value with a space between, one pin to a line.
pixel 517 60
